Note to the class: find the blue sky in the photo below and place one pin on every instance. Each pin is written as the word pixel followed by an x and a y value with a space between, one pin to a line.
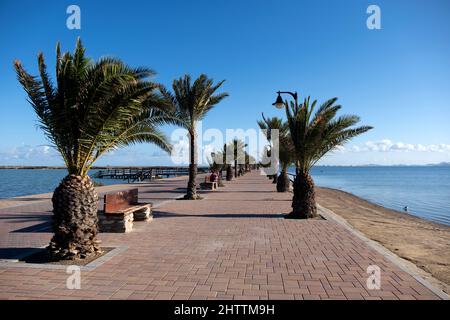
pixel 397 78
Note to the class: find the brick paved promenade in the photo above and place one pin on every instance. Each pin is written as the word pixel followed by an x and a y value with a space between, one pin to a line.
pixel 233 244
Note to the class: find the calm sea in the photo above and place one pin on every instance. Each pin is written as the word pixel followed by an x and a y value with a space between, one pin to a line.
pixel 425 190
pixel 23 182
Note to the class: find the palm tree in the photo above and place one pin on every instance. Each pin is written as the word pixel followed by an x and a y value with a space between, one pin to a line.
pixel 229 172
pixel 214 165
pixel 191 103
pixel 249 162
pixel 223 157
pixel 266 161
pixel 228 150
pixel 285 148
pixel 268 125
pixel 237 147
pixel 93 108
pixel 313 135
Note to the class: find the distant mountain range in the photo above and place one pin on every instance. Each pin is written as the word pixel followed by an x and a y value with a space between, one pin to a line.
pixel 442 164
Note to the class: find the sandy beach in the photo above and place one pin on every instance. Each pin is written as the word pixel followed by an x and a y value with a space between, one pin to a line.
pixel 424 243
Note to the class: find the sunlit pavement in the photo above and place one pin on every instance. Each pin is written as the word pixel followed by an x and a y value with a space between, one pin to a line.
pixel 233 244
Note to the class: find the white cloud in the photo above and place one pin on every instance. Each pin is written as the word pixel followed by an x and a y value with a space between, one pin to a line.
pixel 383 151
pixel 387 145
pixel 388 152
pixel 339 149
pixel 382 145
pixel 28 155
pixel 29 152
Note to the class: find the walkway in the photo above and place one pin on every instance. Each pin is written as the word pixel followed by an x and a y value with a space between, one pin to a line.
pixel 233 244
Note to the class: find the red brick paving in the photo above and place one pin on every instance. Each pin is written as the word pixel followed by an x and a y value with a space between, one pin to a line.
pixel 230 245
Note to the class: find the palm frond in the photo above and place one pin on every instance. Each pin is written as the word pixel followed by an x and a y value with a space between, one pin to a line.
pixel 313 134
pixel 191 102
pixel 95 106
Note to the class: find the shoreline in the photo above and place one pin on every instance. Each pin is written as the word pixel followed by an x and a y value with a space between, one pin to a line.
pixel 392 210
pixel 422 242
pixel 380 205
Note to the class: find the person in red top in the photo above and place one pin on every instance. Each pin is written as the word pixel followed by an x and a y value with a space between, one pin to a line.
pixel 213 177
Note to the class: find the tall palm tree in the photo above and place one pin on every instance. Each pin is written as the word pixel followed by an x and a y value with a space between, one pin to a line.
pixel 229 172
pixel 237 147
pixel 249 161
pixel 314 135
pixel 268 125
pixel 93 108
pixel 191 102
pixel 224 157
pixel 285 148
pixel 215 165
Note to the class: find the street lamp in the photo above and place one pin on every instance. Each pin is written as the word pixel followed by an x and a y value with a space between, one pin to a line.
pixel 279 103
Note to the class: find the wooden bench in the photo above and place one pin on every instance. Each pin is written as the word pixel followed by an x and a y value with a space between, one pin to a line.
pixel 120 209
pixel 208 185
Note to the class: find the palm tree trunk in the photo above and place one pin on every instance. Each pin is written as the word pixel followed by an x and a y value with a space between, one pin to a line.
pixel 192 186
pixel 229 173
pixel 275 178
pixel 74 219
pixel 283 181
pixel 303 202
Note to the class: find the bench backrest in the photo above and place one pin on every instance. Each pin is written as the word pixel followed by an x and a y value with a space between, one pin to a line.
pixel 120 200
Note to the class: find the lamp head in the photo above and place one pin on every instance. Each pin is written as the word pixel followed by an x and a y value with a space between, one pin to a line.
pixel 279 103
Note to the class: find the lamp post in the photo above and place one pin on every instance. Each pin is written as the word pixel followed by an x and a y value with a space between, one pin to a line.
pixel 279 103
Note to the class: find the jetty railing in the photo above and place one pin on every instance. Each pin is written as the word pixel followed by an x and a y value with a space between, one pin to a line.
pixel 144 173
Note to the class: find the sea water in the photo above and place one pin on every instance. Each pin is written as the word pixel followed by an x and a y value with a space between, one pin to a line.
pixel 425 190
